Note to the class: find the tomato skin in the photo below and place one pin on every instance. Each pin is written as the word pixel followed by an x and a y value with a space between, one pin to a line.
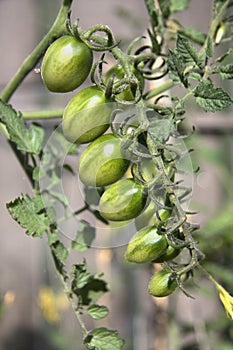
pixel 123 200
pixel 147 244
pixel 87 115
pixel 118 71
pixel 161 284
pixel 66 64
pixel 169 254
pixel 102 162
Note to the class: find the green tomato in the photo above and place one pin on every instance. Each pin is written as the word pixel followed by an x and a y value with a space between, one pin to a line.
pixel 162 284
pixel 123 200
pixel 102 162
pixel 66 64
pixel 146 245
pixel 149 217
pixel 117 70
pixel 87 115
pixel 169 254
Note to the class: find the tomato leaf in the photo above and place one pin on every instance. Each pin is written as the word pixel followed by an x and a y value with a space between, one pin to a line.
pixel 84 237
pixel 104 339
pixel 27 139
pixel 188 52
pixel 60 251
pixel 86 286
pixel 179 5
pixel 30 214
pixel 97 311
pixel 176 68
pixel 226 71
pixel 211 99
pixel 193 34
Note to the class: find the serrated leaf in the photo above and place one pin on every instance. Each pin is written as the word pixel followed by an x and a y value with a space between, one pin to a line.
pixel 27 139
pixel 86 286
pixel 159 128
pixel 84 237
pixel 179 5
pixel 79 275
pixel 97 311
pixel 60 251
pixel 30 214
pixel 59 197
pixel 211 99
pixel 188 52
pixel 193 34
pixel 226 72
pixel 176 68
pixel 104 339
pixel 52 238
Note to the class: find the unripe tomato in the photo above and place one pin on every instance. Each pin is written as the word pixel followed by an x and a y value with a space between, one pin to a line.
pixel 123 200
pixel 149 216
pixel 162 283
pixel 87 115
pixel 146 245
pixel 102 162
pixel 117 70
pixel 66 64
pixel 169 254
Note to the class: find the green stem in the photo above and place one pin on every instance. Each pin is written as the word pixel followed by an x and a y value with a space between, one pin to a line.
pixel 44 114
pixel 159 90
pixel 58 29
pixel 69 295
pixel 215 20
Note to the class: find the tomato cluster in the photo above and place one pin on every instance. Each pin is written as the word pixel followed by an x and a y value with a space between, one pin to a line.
pixel 105 162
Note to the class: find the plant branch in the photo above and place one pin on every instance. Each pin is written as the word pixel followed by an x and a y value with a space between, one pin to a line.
pixel 43 114
pixel 58 29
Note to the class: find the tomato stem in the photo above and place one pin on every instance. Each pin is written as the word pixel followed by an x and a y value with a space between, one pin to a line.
pixel 42 114
pixel 58 28
pixel 160 89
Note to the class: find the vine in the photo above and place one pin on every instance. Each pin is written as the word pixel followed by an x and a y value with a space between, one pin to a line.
pixel 148 137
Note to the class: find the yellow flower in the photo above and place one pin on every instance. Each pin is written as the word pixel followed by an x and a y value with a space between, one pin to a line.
pixel 52 304
pixel 225 298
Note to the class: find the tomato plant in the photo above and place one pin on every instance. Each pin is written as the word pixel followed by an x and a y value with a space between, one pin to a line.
pixel 134 129
pixel 66 64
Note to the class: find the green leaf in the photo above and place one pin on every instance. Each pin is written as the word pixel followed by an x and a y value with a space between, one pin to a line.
pixel 164 6
pixel 31 214
pixel 60 251
pixel 86 286
pixel 152 11
pixel 226 72
pixel 27 139
pixel 84 237
pixel 209 47
pixel 211 99
pixel 159 128
pixel 97 311
pixel 188 52
pixel 225 55
pixel 104 339
pixel 176 68
pixel 179 5
pixel 193 34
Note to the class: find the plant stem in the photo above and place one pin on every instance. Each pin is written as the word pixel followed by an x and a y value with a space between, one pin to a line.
pixel 215 20
pixel 160 89
pixel 43 114
pixel 58 28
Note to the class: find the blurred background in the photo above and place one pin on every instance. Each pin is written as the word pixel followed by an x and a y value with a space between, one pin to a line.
pixel 34 313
